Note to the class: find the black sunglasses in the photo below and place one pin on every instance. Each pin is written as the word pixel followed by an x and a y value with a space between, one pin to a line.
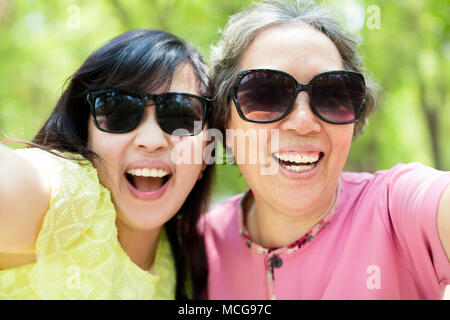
pixel 264 95
pixel 120 111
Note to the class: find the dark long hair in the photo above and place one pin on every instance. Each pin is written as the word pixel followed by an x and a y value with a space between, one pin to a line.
pixel 140 60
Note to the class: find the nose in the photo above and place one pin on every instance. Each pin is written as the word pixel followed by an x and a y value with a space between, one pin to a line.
pixel 301 120
pixel 148 135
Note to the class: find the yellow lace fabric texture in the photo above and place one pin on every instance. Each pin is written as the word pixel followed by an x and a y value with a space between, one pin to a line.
pixel 78 253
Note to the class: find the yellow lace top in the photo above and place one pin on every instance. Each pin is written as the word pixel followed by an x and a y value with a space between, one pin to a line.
pixel 78 253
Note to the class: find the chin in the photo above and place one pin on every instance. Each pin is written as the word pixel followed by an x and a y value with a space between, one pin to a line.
pixel 143 219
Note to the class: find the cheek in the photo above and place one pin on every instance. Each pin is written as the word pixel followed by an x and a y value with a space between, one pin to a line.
pixel 252 145
pixel 341 140
pixel 345 137
pixel 187 155
pixel 239 134
pixel 187 150
pixel 187 174
pixel 251 141
pixel 109 149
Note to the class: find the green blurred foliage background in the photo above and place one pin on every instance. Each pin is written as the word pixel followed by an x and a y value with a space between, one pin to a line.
pixel 406 46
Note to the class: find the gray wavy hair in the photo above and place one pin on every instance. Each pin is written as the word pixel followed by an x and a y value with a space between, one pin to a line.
pixel 244 26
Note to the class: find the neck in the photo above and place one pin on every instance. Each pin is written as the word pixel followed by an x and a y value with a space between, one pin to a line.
pixel 270 227
pixel 139 245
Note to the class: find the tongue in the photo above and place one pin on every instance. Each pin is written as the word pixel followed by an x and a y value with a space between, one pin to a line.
pixel 147 184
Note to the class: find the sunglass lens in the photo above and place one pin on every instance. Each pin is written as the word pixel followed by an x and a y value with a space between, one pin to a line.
pixel 338 96
pixel 117 112
pixel 180 114
pixel 265 95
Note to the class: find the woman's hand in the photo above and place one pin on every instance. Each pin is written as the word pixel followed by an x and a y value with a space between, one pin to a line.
pixel 24 199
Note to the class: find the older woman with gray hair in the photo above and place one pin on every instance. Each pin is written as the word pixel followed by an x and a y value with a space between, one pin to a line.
pixel 308 230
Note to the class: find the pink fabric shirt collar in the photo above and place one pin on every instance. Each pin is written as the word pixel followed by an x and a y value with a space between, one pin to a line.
pixel 271 254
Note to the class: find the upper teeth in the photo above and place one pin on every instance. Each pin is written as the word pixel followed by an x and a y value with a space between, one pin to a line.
pixel 297 157
pixel 147 172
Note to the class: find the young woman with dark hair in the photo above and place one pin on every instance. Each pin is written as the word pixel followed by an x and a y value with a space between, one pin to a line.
pixel 99 208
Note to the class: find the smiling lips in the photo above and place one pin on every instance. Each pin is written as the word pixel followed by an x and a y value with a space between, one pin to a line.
pixel 298 161
pixel 147 183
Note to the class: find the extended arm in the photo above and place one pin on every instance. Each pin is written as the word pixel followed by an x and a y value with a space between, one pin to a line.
pixel 24 199
pixel 444 220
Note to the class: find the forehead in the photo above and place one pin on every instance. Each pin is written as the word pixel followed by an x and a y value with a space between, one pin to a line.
pixel 298 49
pixel 185 80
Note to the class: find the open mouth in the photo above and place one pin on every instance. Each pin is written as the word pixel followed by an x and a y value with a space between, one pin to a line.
pixel 148 180
pixel 298 162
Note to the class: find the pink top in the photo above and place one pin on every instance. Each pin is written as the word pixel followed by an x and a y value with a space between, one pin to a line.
pixel 379 241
